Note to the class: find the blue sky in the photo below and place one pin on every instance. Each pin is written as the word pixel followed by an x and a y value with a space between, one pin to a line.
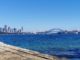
pixel 40 15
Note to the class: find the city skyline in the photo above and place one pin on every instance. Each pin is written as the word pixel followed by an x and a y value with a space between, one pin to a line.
pixel 40 15
pixel 8 29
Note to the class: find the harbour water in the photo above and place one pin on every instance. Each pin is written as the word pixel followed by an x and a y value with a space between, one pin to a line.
pixel 64 45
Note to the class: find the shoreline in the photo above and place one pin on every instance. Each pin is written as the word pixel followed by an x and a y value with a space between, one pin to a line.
pixel 22 53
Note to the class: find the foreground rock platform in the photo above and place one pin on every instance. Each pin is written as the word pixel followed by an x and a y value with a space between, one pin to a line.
pixel 8 52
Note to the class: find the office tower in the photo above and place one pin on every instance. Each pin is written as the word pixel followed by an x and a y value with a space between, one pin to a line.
pixel 14 30
pixel 5 28
pixel 21 29
pixel 9 30
pixel 0 29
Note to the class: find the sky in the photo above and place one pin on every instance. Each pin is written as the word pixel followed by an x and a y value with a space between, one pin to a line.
pixel 40 15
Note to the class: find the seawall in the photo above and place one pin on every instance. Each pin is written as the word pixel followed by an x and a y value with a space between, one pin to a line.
pixel 9 52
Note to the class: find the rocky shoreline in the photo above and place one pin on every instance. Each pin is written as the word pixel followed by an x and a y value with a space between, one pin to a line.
pixel 8 52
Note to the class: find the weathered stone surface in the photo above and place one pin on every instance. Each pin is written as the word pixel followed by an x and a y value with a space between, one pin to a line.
pixel 8 52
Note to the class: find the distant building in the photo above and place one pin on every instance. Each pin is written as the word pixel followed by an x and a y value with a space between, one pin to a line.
pixel 7 29
pixel 14 30
pixel 21 29
pixel 0 29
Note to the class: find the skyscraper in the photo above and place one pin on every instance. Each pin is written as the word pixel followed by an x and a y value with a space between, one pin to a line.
pixel 14 30
pixel 21 29
pixel 5 28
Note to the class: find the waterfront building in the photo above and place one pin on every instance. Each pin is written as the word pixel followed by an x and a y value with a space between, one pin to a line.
pixel 0 29
pixel 14 30
pixel 7 29
pixel 21 29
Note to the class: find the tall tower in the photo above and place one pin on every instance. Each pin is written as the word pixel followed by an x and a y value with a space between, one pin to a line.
pixel 8 29
pixel 21 29
pixel 0 29
pixel 5 28
pixel 14 30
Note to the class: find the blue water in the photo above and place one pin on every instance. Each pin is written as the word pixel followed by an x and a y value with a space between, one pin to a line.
pixel 61 45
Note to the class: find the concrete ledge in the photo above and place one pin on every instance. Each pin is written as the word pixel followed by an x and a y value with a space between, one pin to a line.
pixel 9 52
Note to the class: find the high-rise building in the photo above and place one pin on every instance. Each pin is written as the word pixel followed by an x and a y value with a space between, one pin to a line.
pixel 14 30
pixel 0 29
pixel 21 29
pixel 5 28
pixel 9 30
